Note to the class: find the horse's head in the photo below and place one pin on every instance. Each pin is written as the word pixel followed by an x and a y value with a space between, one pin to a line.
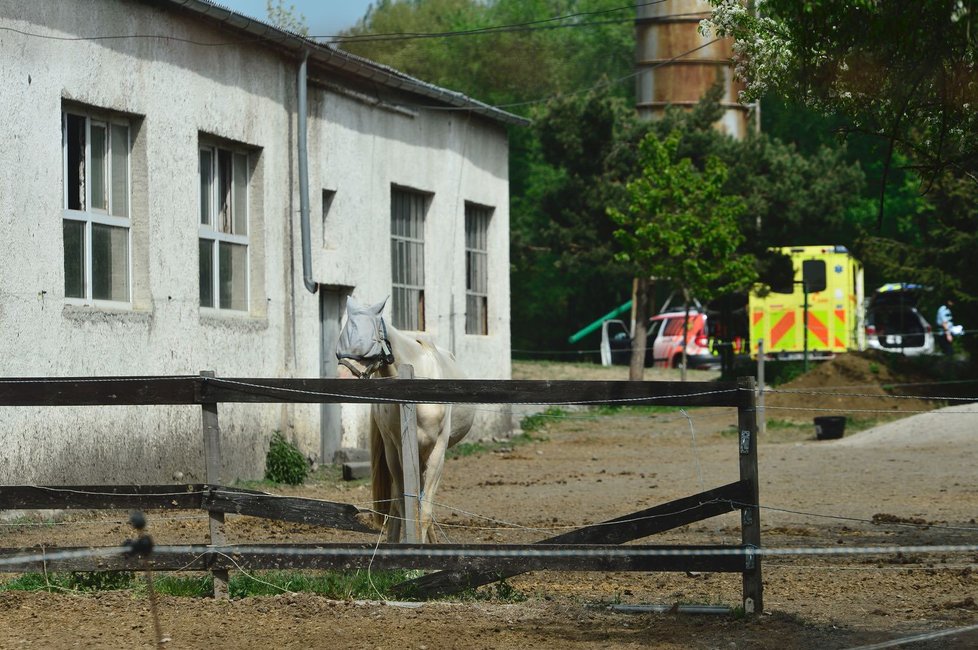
pixel 363 346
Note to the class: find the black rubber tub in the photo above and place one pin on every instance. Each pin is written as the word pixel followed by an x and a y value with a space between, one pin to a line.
pixel 830 427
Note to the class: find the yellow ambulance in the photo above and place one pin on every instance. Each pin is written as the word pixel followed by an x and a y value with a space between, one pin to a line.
pixel 833 320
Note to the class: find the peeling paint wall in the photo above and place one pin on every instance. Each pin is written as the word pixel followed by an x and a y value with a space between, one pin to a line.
pixel 174 92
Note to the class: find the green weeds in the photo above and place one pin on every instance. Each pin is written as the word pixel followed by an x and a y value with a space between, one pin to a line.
pixel 337 585
pixel 284 463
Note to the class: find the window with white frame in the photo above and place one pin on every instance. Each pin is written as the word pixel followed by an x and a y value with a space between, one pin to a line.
pixel 407 258
pixel 477 268
pixel 96 224
pixel 224 179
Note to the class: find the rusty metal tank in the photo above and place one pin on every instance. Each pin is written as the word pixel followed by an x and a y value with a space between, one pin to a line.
pixel 675 65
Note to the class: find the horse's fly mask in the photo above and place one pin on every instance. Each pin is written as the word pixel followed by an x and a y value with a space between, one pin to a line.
pixel 364 339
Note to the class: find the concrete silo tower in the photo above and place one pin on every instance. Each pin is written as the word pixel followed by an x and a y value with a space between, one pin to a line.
pixel 676 65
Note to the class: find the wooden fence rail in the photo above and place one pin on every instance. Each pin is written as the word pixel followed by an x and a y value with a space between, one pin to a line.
pixel 198 390
pixel 590 548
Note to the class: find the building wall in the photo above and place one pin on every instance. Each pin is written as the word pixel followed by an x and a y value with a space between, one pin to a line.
pixel 453 157
pixel 174 91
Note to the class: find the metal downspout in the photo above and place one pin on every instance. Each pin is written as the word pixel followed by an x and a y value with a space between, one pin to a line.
pixel 304 180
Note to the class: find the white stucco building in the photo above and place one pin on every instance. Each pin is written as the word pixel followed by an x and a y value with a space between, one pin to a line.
pixel 151 223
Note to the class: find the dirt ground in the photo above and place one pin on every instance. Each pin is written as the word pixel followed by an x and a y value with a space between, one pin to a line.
pixel 907 483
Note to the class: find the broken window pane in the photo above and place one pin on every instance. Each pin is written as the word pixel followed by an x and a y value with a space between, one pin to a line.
pixel 97 175
pixel 75 161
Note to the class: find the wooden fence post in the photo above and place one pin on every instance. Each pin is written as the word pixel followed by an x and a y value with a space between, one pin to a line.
pixel 750 519
pixel 212 465
pixel 761 416
pixel 410 463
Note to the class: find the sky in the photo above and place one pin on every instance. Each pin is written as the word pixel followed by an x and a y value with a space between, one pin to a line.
pixel 324 17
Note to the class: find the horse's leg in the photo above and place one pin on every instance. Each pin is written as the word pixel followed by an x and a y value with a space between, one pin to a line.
pixel 380 478
pixel 396 472
pixel 434 465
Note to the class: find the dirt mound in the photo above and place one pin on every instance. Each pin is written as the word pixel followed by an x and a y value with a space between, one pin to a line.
pixel 860 385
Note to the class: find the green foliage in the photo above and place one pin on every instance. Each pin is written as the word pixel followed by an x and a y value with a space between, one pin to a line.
pixel 563 247
pixel 340 585
pixel 89 581
pixel 31 582
pixel 679 225
pixel 284 463
pixel 899 71
pixel 478 58
pixel 937 251
pixel 100 580
pixel 464 449
pixel 537 421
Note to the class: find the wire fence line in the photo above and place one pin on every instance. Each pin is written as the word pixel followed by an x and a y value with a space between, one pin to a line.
pixel 396 551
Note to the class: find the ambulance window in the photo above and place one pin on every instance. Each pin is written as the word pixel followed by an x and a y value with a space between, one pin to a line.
pixel 813 272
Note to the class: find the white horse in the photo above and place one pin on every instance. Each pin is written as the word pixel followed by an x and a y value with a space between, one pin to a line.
pixel 369 347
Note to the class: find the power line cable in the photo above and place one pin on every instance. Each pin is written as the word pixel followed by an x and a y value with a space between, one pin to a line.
pixel 528 26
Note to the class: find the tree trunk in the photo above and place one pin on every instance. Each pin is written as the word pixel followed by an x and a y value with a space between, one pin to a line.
pixel 642 305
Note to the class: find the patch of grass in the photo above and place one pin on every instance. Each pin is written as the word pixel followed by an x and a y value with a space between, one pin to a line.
pixel 89 581
pixel 32 582
pixel 464 449
pixel 855 425
pixel 537 421
pixel 330 584
pixel 100 580
pixel 187 586
pixel 645 409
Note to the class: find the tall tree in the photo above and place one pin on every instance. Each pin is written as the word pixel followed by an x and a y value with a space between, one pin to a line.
pixel 938 251
pixel 501 51
pixel 900 71
pixel 562 241
pixel 680 226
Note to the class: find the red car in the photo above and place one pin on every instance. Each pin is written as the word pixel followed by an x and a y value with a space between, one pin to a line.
pixel 665 342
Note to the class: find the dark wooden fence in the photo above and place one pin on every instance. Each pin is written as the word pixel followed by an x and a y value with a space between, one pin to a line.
pixel 592 548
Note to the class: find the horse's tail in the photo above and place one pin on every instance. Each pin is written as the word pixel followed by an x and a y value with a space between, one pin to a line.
pixel 380 475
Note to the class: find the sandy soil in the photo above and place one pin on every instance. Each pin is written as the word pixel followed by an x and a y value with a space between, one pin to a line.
pixel 908 482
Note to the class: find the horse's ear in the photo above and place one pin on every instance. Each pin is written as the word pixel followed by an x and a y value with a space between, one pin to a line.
pixel 352 305
pixel 378 309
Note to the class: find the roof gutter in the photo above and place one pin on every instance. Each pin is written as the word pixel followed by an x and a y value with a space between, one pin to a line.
pixel 303 153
